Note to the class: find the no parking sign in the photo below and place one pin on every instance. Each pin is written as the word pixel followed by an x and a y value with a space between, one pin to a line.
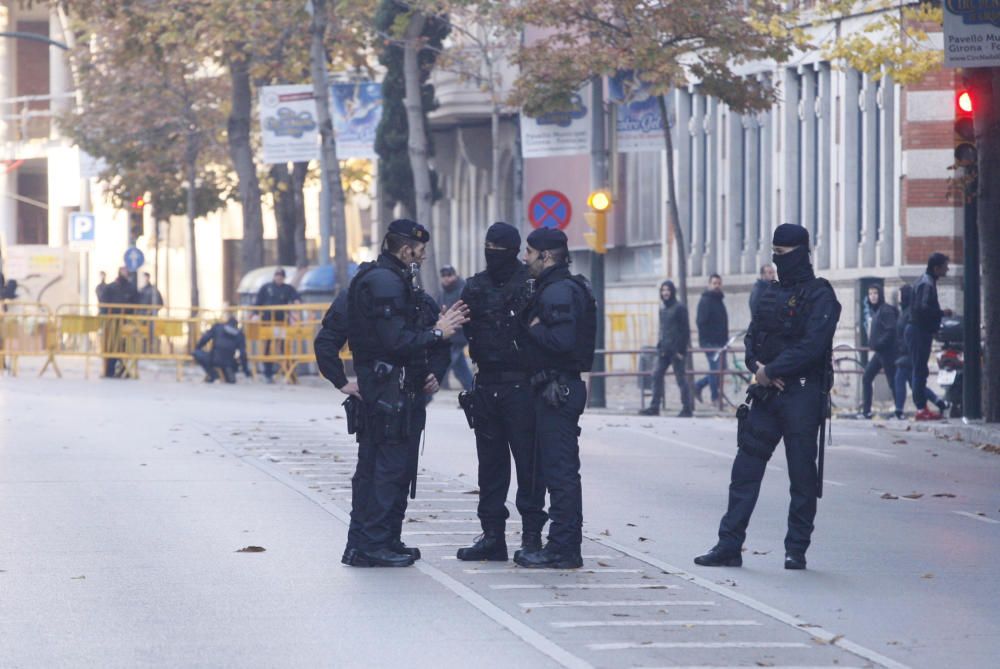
pixel 550 209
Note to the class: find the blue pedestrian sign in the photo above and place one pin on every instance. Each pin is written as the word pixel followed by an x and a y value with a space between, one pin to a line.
pixel 134 259
pixel 82 228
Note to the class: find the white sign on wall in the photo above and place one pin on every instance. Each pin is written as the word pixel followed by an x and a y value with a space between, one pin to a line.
pixel 558 133
pixel 289 131
pixel 971 33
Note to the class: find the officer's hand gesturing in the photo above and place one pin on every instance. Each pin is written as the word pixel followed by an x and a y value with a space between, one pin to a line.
pixel 351 388
pixel 452 319
pixel 431 385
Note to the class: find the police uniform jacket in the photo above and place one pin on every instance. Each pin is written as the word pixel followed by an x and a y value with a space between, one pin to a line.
pixel 492 329
pixel 562 340
pixel 792 328
pixel 271 294
pixel 331 340
pixel 227 340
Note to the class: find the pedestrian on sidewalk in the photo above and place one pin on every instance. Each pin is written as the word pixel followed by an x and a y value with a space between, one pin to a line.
pixel 788 348
pixel 764 279
pixel 671 351
pixel 713 333
pixel 228 353
pixel 904 358
pixel 882 342
pixel 501 407
pixel 399 339
pixel 925 320
pixel 559 328
pixel 452 286
pixel 119 292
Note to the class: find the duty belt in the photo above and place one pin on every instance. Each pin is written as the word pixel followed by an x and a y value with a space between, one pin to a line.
pixel 493 378
pixel 547 375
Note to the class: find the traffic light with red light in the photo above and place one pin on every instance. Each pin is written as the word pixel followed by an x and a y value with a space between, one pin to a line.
pixel 135 220
pixel 965 131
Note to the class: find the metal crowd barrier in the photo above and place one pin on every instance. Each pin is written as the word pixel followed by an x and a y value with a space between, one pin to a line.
pixel 281 336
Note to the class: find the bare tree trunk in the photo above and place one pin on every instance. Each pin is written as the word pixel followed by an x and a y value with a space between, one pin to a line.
pixel 987 122
pixel 328 146
pixel 495 141
pixel 192 175
pixel 241 154
pixel 417 139
pixel 299 172
pixel 284 212
pixel 675 219
pixel 518 221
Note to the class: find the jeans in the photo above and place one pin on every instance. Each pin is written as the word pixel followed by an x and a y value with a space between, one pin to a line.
pixel 920 352
pixel 716 363
pixel 460 366
pixel 664 361
pixel 878 362
pixel 904 377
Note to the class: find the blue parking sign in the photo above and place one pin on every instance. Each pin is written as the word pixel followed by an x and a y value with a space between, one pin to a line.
pixel 134 259
pixel 82 228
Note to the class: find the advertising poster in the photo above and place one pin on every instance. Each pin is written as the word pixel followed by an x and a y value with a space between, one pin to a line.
pixel 639 124
pixel 559 133
pixel 357 111
pixel 971 33
pixel 289 131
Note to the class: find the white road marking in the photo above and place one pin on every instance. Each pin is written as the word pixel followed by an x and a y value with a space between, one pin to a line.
pixel 583 586
pixel 863 450
pixel 586 603
pixel 656 623
pixel 411 509
pixel 628 645
pixel 453 557
pixel 976 516
pixel 449 533
pixel 520 570
pixel 743 666
pixel 463 520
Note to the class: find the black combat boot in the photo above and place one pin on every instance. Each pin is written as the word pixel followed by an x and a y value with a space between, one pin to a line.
pixel 531 542
pixel 490 546
pixel 795 561
pixel 650 411
pixel 349 556
pixel 717 557
pixel 382 557
pixel 397 546
pixel 550 557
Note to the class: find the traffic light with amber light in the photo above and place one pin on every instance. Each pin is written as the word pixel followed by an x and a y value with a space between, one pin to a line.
pixel 135 220
pixel 599 202
pixel 965 131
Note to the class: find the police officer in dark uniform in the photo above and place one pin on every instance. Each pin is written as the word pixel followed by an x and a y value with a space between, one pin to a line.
pixel 788 347
pixel 501 407
pixel 559 326
pixel 399 341
pixel 228 341
pixel 275 293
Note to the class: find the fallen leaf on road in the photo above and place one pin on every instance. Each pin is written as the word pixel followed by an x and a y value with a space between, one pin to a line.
pixel 306 450
pixel 621 615
pixel 601 563
pixel 928 575
pixel 914 495
pixel 900 441
pixel 471 492
pixel 631 524
pixel 943 494
pixel 888 495
pixel 77 578
pixel 606 533
pixel 252 549
pixel 643 538
pixel 761 552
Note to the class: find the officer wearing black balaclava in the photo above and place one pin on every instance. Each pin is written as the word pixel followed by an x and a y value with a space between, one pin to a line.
pixel 788 347
pixel 398 338
pixel 500 407
pixel 559 326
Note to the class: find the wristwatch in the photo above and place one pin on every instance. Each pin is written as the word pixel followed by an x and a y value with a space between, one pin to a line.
pixel 437 334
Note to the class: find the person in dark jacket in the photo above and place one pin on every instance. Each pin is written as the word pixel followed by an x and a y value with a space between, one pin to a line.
pixel 713 332
pixel 118 292
pixel 904 358
pixel 102 285
pixel 925 320
pixel 764 279
pixel 228 342
pixel 275 293
pixel 452 286
pixel 882 342
pixel 671 349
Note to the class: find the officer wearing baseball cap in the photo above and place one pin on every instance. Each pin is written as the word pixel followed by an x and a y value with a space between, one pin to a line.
pixel 559 326
pixel 399 340
pixel 788 348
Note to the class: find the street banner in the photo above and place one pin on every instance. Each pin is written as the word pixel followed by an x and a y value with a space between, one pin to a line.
pixel 558 133
pixel 288 128
pixel 971 33
pixel 357 111
pixel 639 126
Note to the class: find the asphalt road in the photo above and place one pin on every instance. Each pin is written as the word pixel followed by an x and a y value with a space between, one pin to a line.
pixel 122 506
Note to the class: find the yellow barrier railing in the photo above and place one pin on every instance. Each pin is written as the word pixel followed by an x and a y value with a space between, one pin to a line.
pixel 122 335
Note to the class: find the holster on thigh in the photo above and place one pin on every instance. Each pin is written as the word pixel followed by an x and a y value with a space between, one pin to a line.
pixel 752 437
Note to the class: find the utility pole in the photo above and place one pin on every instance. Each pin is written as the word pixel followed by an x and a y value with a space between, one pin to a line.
pixel 972 377
pixel 598 181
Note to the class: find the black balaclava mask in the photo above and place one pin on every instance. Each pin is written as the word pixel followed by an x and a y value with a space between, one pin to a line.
pixel 502 263
pixel 673 292
pixel 794 266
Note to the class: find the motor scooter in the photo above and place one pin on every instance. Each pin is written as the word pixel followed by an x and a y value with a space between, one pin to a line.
pixel 950 362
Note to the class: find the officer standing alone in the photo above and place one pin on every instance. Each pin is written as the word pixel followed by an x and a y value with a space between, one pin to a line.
pixel 400 345
pixel 501 407
pixel 788 348
pixel 559 327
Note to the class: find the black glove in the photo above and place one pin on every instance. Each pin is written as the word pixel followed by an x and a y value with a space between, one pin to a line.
pixel 555 394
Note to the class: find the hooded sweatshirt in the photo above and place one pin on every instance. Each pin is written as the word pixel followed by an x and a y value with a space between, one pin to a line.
pixel 882 327
pixel 713 320
pixel 926 310
pixel 675 330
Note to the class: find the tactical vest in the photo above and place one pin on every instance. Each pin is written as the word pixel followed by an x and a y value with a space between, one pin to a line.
pixel 493 330
pixel 781 316
pixel 582 357
pixel 362 313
